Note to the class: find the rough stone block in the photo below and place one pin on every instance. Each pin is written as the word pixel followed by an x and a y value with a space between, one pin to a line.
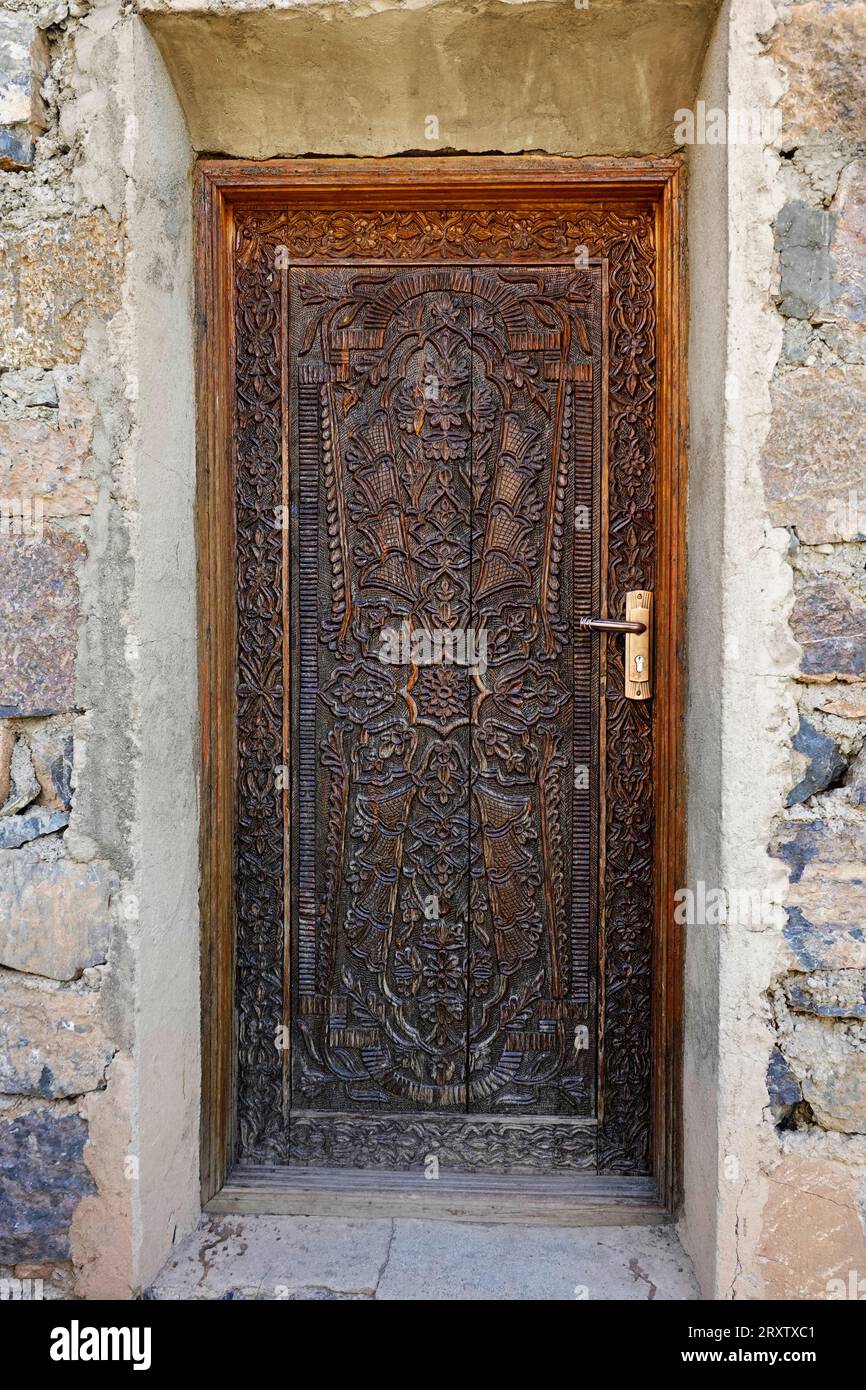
pixel 824 762
pixel 849 244
pixel 805 278
pixel 856 778
pixel 23 67
pixel 825 927
pixel 38 622
pixel 828 993
pixel 24 784
pixel 846 339
pixel 7 746
pixel 811 1233
pixel 814 460
pixel 829 1060
pixel 53 280
pixel 51 1043
pixel 47 461
pixel 822 47
pixel 845 708
pixel 783 1088
pixel 830 625
pixel 30 387
pixel 54 916
pixel 51 749
pixel 30 825
pixel 43 1177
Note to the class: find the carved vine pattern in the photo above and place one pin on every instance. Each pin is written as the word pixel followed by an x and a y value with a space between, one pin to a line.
pixel 626 240
pixel 363 1141
pixel 258 831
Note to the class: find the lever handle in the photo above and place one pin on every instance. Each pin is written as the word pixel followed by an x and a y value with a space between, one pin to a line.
pixel 611 625
pixel 637 625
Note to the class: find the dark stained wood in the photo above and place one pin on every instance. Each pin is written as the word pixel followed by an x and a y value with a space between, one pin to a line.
pixel 439 415
pixel 552 209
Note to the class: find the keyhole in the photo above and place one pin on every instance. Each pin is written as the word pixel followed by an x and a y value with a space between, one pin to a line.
pixel 639 663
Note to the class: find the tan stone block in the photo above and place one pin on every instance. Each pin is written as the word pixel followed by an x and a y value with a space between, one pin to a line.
pixel 848 247
pixel 811 1231
pixel 58 1280
pixel 845 709
pixel 51 1042
pixel 814 460
pixel 53 280
pixel 47 461
pixel 7 743
pixel 826 861
pixel 54 915
pixel 822 47
pixel 829 1060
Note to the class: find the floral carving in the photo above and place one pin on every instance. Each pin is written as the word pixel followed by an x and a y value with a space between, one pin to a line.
pixel 447 414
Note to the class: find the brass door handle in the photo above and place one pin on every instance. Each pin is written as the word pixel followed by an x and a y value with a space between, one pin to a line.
pixel 637 625
pixel 611 625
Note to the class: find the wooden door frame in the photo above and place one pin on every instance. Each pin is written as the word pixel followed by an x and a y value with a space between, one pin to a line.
pixel 221 186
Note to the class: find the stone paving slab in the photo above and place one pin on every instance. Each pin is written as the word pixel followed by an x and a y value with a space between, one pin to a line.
pixel 277 1257
pixel 298 1257
pixel 437 1260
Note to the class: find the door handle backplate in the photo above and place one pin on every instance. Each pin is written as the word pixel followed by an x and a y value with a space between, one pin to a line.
pixel 637 626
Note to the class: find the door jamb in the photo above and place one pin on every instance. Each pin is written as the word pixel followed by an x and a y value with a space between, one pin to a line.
pixel 221 185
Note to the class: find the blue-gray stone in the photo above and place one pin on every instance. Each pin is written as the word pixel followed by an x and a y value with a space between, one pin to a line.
pixel 797 846
pixel 17 830
pixel 803 236
pixel 17 147
pixel 783 1087
pixel 800 934
pixel 825 766
pixel 43 1177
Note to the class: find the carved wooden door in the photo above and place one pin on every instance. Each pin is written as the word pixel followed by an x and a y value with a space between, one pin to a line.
pixel 443 420
pixel 454 414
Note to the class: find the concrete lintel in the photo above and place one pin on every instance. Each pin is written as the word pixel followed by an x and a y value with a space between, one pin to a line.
pixel 498 75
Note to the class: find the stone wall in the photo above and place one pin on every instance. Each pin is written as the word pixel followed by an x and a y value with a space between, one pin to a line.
pixel 98 757
pixel 99 1020
pixel 66 890
pixel 814 471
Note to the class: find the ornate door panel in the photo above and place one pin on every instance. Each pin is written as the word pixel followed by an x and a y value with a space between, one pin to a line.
pixel 443 419
pixel 444 459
